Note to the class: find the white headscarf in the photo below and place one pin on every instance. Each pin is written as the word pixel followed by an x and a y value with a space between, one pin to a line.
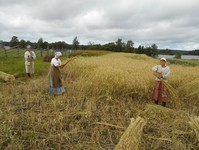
pixel 164 59
pixel 28 47
pixel 58 54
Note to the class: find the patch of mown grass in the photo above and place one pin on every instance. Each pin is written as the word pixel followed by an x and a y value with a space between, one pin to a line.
pixel 185 62
pixel 16 66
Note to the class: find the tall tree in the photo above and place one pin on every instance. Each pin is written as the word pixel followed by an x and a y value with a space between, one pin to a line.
pixel 154 50
pixel 119 45
pixel 75 43
pixel 40 43
pixel 22 43
pixel 45 45
pixel 154 46
pixel 14 41
pixel 129 46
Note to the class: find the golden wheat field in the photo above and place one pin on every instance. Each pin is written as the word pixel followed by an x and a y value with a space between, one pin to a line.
pixel 107 106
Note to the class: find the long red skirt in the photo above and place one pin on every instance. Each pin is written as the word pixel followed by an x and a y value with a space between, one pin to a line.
pixel 160 92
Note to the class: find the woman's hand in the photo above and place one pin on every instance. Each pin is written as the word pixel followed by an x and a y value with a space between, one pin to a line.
pixel 160 75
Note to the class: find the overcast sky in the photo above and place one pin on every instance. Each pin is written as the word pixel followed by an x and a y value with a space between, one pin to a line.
pixel 168 23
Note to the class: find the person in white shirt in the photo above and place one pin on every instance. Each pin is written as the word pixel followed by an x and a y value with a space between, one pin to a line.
pixel 56 86
pixel 29 61
pixel 160 93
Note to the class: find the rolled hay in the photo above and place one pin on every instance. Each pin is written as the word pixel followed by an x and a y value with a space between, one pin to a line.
pixel 131 138
pixel 6 77
pixel 194 124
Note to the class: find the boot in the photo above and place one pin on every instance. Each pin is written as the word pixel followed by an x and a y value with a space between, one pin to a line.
pixel 156 102
pixel 28 75
pixel 164 104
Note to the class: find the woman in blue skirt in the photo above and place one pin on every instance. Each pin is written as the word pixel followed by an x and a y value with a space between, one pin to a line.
pixel 56 86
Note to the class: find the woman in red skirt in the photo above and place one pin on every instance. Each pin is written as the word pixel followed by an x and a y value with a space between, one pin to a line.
pixel 160 93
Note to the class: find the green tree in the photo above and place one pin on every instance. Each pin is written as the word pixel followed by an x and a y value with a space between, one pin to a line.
pixel 140 49
pixel 28 43
pixel 129 46
pixel 109 46
pixel 45 45
pixel 154 46
pixel 14 41
pixel 75 43
pixel 168 52
pixel 40 43
pixel 178 55
pixel 151 50
pixel 119 45
pixel 22 43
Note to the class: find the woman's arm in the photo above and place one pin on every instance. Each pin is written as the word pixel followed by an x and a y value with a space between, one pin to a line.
pixel 64 64
pixel 26 56
pixel 155 68
pixel 33 55
pixel 155 72
pixel 167 74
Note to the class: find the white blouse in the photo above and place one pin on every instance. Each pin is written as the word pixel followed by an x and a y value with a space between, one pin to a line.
pixel 55 62
pixel 27 56
pixel 164 70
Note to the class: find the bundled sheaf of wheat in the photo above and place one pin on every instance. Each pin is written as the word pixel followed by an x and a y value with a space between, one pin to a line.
pixel 6 77
pixel 194 124
pixel 130 140
pixel 174 98
pixel 158 111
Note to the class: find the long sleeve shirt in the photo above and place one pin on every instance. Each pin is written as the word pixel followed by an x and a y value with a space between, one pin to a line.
pixel 55 62
pixel 165 71
pixel 28 57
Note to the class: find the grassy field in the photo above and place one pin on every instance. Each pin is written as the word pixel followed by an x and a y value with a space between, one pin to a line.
pixel 101 91
pixel 16 66
pixel 184 62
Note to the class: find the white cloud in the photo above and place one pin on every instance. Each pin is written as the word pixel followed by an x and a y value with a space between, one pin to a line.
pixel 169 23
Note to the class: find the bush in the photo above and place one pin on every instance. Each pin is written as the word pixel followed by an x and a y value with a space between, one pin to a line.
pixel 178 55
pixel 48 58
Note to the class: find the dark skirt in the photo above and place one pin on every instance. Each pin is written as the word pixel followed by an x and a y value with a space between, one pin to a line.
pixel 160 93
pixel 56 87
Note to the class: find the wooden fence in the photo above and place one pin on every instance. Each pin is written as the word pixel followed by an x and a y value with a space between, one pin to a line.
pixel 41 52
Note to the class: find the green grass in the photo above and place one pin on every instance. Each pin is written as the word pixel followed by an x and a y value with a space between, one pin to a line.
pixel 16 66
pixel 13 62
pixel 185 62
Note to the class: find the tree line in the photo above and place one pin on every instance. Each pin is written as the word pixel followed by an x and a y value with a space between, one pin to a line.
pixel 118 46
